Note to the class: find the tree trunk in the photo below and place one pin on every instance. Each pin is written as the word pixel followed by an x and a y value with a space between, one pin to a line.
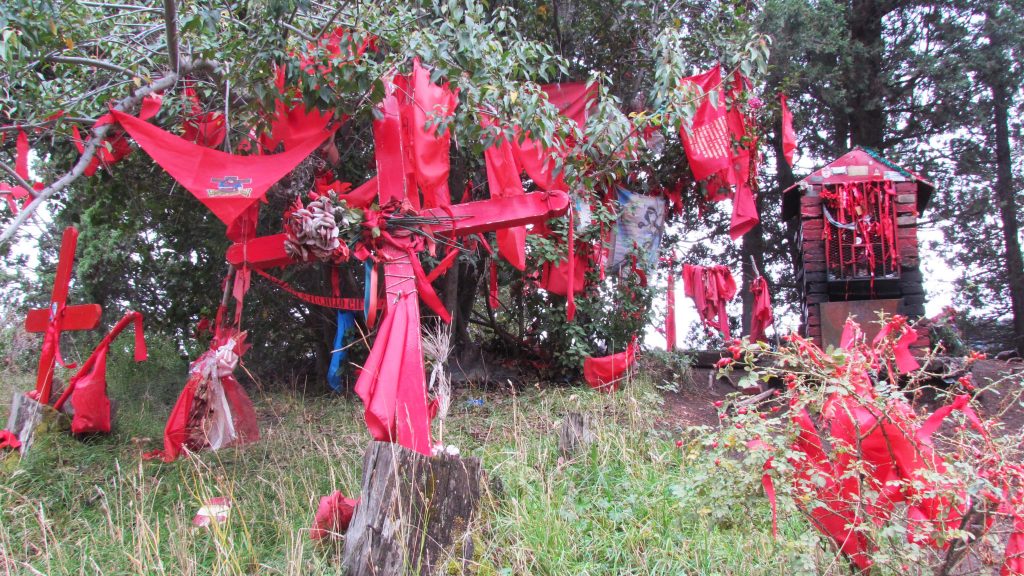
pixel 1005 198
pixel 415 514
pixel 864 82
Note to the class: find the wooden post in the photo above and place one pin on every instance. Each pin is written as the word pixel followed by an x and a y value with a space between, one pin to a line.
pixel 576 433
pixel 414 515
pixel 29 418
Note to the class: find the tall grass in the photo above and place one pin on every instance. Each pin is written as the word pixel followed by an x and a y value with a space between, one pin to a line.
pixel 93 507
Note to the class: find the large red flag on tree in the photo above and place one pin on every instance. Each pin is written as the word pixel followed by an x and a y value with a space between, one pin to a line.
pixel 706 142
pixel 788 134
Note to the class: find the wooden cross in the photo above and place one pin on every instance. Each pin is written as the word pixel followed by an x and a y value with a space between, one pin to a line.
pixel 58 317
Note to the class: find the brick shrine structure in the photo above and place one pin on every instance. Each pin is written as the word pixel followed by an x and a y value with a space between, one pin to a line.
pixel 854 223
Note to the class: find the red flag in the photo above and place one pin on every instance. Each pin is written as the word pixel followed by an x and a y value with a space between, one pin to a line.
pixel 788 134
pixel 670 317
pixel 706 142
pixel 761 317
pixel 226 183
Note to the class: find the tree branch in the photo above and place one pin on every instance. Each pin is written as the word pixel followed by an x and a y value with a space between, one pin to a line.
pixel 129 102
pixel 171 21
pixel 89 62
pixel 17 178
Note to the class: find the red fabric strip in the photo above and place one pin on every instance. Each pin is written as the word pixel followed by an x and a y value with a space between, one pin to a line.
pixel 314 299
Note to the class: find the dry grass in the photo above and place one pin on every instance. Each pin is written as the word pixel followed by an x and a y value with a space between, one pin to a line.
pixel 93 507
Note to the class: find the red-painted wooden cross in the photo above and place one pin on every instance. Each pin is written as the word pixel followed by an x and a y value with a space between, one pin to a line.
pixel 59 317
pixel 392 383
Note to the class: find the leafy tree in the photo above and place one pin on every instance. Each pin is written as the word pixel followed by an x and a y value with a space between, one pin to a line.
pixel 146 244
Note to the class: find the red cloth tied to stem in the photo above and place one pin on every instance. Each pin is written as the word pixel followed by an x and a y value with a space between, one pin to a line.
pixel 605 373
pixel 88 387
pixel 710 288
pixel 706 141
pixel 333 515
pixel 761 316
pixel 503 182
pixel 391 383
pixel 226 183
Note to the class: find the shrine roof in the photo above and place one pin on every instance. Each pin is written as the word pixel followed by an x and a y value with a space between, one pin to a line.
pixel 858 165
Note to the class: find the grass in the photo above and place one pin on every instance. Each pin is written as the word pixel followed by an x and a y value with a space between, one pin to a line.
pixel 624 506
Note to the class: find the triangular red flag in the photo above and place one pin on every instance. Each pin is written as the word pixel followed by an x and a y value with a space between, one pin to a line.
pixel 226 183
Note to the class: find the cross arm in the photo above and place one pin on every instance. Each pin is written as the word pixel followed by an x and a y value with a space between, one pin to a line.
pixel 467 218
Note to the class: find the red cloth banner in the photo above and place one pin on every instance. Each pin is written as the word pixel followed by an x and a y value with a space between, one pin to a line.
pixel 761 316
pixel 227 184
pixel 706 141
pixel 788 134
pixel 391 381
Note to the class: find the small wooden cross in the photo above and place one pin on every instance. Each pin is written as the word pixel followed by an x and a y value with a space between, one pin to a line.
pixel 58 317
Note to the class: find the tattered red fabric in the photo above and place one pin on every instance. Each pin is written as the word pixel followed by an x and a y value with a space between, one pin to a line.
pixel 8 441
pixel 13 193
pixel 554 277
pixel 114 146
pixel 905 361
pixel 391 381
pixel 788 134
pixel 706 141
pixel 333 515
pixel 428 150
pixel 503 182
pixel 573 100
pixel 203 128
pixel 604 373
pixel 228 184
pixel 88 387
pixel 761 316
pixel 710 288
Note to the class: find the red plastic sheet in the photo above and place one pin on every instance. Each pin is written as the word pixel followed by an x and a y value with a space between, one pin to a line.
pixel 333 515
pixel 391 381
pixel 605 373
pixel 710 288
pixel 228 184
pixel 761 316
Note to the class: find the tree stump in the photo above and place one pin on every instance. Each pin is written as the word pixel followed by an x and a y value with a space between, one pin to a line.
pixel 577 432
pixel 414 514
pixel 29 418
